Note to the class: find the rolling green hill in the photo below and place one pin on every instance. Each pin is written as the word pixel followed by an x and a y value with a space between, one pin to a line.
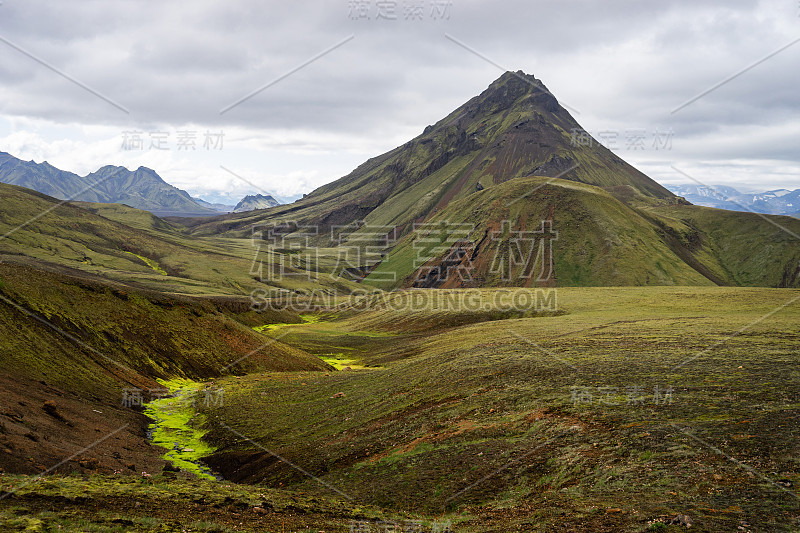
pixel 738 248
pixel 596 240
pixel 133 246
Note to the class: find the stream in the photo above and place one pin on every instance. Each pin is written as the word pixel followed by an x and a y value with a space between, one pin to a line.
pixel 176 426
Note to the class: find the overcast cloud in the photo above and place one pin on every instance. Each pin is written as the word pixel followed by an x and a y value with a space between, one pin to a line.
pixel 623 66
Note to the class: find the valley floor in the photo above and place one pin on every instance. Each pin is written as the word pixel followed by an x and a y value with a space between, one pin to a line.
pixel 631 409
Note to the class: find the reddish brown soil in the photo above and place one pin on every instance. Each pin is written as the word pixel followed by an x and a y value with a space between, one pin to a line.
pixel 34 439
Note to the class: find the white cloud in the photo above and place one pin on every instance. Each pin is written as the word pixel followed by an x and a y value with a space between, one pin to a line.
pixel 623 64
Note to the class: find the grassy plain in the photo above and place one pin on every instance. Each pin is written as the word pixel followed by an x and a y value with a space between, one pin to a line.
pixel 633 406
pixel 624 410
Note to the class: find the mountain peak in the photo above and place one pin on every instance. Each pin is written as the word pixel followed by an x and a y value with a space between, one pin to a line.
pixel 255 201
pixel 110 168
pixel 514 88
pixel 510 76
pixel 514 129
pixel 513 91
pixel 149 173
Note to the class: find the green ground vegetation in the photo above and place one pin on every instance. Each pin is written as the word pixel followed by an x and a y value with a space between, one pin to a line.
pixel 633 406
pixel 176 425
pixel 170 503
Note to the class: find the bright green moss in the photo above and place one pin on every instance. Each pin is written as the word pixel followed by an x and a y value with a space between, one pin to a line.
pixel 177 424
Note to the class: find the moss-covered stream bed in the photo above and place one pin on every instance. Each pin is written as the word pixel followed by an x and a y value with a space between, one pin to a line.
pixel 177 425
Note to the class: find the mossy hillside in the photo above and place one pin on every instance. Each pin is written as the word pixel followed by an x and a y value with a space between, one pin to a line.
pixel 601 241
pixel 135 335
pixel 237 251
pixel 152 264
pixel 499 397
pixel 751 249
pixel 421 197
pixel 80 355
pixel 132 217
pixel 69 236
pixel 65 232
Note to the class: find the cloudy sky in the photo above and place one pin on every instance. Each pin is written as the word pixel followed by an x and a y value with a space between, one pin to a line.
pixel 286 96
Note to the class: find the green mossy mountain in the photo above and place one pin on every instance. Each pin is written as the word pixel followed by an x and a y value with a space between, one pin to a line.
pixel 508 160
pixel 515 128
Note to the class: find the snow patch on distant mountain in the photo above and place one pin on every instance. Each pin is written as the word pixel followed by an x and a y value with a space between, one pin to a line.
pixel 775 202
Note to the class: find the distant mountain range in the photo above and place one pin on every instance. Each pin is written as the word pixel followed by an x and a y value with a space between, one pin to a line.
pixel 256 201
pixel 142 188
pixel 776 202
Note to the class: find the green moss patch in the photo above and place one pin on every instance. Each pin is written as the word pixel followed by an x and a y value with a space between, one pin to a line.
pixel 339 362
pixel 177 427
pixel 307 319
pixel 149 262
